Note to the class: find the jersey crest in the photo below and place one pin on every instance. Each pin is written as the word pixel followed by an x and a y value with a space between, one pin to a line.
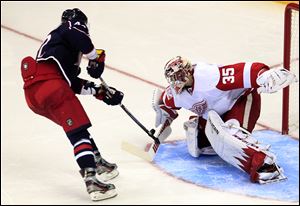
pixel 199 107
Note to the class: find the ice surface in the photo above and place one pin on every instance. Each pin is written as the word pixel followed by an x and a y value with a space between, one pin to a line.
pixel 215 173
pixel 37 163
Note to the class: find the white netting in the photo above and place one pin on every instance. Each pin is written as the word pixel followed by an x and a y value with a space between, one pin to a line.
pixel 294 67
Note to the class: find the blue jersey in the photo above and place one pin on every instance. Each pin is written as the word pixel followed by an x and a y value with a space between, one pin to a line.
pixel 65 45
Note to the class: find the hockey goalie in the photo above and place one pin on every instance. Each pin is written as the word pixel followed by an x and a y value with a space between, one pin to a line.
pixel 226 102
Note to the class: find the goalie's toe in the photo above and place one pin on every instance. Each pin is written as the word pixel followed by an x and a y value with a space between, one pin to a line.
pixel 270 173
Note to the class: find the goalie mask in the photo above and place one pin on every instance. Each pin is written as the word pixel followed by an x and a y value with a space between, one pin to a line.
pixel 177 71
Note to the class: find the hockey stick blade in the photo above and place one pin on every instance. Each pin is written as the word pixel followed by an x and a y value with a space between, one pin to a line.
pixel 131 148
pixel 148 153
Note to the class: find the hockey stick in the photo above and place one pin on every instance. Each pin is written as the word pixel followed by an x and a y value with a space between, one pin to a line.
pixel 145 154
pixel 150 133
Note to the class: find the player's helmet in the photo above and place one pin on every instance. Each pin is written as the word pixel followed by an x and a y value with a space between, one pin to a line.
pixel 74 14
pixel 176 72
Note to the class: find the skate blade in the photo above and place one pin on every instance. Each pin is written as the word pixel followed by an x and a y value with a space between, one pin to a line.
pixel 97 195
pixel 278 179
pixel 105 176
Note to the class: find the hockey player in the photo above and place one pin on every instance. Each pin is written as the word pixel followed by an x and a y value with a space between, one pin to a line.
pixel 226 101
pixel 50 84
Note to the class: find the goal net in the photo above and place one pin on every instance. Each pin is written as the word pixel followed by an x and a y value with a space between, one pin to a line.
pixel 290 106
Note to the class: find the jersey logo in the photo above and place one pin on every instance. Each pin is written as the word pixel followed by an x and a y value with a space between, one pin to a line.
pixel 69 122
pixel 199 107
pixel 25 66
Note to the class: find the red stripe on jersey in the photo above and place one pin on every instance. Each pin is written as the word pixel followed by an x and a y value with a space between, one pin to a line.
pixel 231 77
pixel 82 147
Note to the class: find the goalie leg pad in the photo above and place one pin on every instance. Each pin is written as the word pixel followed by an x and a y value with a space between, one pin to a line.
pixel 164 131
pixel 191 131
pixel 232 126
pixel 245 155
pixel 155 105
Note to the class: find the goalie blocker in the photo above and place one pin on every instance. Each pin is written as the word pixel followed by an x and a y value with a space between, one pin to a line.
pixel 236 146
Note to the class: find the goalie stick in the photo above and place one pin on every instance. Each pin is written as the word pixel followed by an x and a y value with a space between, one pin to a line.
pixel 144 154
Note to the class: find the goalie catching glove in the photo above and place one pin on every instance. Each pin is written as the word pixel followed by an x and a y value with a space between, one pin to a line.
pixel 164 115
pixel 275 79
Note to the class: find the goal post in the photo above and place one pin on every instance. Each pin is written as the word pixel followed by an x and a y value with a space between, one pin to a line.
pixel 290 101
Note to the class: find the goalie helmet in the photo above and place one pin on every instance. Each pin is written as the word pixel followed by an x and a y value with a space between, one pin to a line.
pixel 177 71
pixel 74 14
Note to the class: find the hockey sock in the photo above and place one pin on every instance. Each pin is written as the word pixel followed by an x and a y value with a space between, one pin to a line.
pixel 83 149
pixel 95 148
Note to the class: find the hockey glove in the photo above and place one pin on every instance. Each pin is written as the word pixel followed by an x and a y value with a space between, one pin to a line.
pixel 111 96
pixel 164 115
pixel 96 66
pixel 89 88
pixel 275 79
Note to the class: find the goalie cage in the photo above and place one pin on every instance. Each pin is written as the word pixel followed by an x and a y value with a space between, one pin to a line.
pixel 290 98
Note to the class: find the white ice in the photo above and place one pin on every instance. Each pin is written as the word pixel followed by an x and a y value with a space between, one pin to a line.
pixel 37 163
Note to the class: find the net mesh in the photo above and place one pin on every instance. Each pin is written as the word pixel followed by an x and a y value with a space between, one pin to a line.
pixel 294 67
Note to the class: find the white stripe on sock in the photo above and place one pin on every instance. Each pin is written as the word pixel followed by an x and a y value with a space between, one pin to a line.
pixel 83 154
pixel 82 141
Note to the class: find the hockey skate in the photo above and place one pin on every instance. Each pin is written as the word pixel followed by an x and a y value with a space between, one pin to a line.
pixel 105 170
pixel 96 189
pixel 270 172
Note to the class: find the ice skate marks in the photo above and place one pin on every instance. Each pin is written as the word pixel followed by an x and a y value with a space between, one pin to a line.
pixel 213 172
